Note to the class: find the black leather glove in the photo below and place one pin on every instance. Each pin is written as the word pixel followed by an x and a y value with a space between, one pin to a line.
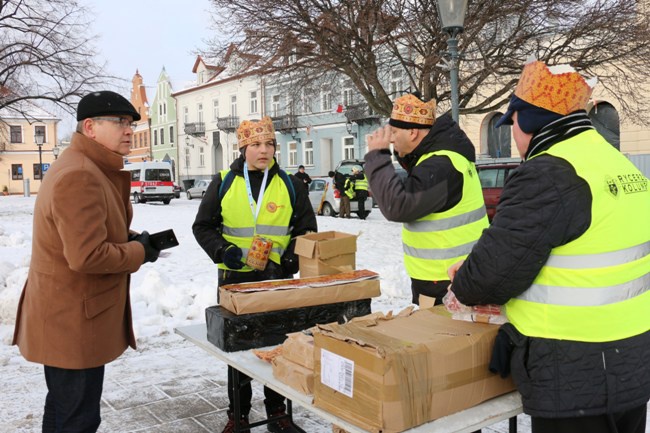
pixel 290 263
pixel 232 257
pixel 151 253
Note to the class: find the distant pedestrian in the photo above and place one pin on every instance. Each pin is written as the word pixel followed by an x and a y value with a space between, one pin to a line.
pixel 303 176
pixel 360 189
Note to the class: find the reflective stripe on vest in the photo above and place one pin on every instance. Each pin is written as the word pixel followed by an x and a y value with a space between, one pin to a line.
pixel 435 242
pixel 272 222
pixel 595 288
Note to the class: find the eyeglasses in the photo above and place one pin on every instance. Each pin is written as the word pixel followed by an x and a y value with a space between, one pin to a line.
pixel 122 121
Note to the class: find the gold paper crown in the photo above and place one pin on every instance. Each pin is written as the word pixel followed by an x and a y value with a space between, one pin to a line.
pixel 561 93
pixel 411 109
pixel 250 131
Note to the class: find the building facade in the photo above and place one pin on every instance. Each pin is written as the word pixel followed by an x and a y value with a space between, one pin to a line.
pixel 164 133
pixel 24 158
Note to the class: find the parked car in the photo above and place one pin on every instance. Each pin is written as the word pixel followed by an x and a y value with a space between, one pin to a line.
pixel 177 191
pixel 331 202
pixel 493 176
pixel 198 190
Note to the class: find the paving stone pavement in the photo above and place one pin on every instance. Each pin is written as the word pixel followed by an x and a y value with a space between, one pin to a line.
pixel 166 386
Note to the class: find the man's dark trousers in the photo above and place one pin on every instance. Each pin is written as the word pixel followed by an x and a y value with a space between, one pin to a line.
pixel 72 401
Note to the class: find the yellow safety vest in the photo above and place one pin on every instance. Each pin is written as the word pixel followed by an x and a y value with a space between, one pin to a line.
pixel 435 242
pixel 273 220
pixel 361 184
pixel 595 288
pixel 349 188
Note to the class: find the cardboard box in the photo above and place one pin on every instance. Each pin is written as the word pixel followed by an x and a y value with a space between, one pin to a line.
pixel 231 332
pixel 389 374
pixel 326 253
pixel 299 348
pixel 277 295
pixel 296 376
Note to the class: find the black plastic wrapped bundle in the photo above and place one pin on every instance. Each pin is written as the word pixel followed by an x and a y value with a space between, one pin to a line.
pixel 231 332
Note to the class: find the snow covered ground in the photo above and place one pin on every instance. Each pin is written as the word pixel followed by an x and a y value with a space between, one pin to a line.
pixel 172 292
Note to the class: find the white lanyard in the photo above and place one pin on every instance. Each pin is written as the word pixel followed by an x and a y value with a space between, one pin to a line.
pixel 255 208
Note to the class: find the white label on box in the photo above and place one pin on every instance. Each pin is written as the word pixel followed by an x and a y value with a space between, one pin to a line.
pixel 336 372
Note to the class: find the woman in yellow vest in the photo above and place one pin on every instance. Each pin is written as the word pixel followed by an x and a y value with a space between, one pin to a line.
pixel 568 253
pixel 440 202
pixel 253 201
pixel 360 190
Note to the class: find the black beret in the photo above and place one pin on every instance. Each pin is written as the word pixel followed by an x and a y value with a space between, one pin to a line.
pixel 105 102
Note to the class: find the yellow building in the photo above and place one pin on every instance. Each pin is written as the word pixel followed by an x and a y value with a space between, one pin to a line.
pixel 22 159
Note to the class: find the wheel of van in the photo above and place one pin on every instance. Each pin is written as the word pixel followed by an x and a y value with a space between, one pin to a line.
pixel 167 200
pixel 327 210
pixel 189 196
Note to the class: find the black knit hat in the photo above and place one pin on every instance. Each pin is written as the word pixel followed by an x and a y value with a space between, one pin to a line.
pixel 105 102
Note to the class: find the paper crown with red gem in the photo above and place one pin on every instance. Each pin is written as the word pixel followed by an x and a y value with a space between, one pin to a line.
pixel 409 111
pixel 250 131
pixel 559 89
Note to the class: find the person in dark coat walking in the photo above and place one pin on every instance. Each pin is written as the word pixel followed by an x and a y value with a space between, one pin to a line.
pixel 303 176
pixel 567 254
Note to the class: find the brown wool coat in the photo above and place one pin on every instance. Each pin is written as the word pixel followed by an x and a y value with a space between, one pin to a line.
pixel 74 311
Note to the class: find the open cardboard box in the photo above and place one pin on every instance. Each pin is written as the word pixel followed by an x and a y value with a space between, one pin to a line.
pixel 391 373
pixel 326 253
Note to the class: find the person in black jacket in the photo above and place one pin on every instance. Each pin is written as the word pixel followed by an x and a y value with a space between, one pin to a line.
pixel 303 176
pixel 567 254
pixel 218 229
pixel 439 159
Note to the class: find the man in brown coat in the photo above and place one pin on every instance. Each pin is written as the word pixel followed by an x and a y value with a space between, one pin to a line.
pixel 74 313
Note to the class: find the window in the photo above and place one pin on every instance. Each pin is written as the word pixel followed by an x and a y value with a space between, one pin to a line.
pixel 308 155
pixel 234 150
pixel 155 137
pixel 348 148
pixel 201 156
pixel 187 157
pixel 16 171
pixel 160 174
pixel 307 100
pixel 146 140
pixel 160 111
pixel 347 97
pixel 186 115
pixel 37 171
pixel 275 106
pixel 162 135
pixel 395 82
pixel 199 110
pixel 40 130
pixel 233 105
pixel 326 100
pixel 293 154
pixel 215 109
pixel 16 135
pixel 278 154
pixel 253 102
pixel 171 134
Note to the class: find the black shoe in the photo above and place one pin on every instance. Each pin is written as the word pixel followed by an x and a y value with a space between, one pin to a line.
pixel 284 425
pixel 230 426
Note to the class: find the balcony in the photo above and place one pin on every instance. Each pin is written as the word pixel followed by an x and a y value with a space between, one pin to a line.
pixel 286 123
pixel 361 114
pixel 228 124
pixel 195 128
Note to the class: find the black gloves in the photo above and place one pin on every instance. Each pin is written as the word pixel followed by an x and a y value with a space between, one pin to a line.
pixel 232 257
pixel 290 263
pixel 151 253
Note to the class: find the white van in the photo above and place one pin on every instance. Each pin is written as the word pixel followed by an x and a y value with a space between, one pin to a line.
pixel 151 181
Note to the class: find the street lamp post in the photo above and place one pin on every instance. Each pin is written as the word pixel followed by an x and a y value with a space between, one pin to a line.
pixel 452 18
pixel 55 152
pixel 39 138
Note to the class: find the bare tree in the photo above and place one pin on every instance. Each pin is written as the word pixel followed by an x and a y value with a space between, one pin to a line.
pixel 366 39
pixel 46 53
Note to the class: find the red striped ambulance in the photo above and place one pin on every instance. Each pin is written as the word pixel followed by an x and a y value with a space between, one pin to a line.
pixel 151 181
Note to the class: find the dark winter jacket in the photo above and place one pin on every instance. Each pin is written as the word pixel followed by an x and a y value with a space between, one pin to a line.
pixel 207 225
pixel 545 204
pixel 304 178
pixel 432 186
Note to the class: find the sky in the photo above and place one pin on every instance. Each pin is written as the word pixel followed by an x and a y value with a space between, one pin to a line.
pixel 146 35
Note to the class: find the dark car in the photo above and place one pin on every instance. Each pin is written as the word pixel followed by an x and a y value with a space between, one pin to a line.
pixel 177 191
pixel 493 176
